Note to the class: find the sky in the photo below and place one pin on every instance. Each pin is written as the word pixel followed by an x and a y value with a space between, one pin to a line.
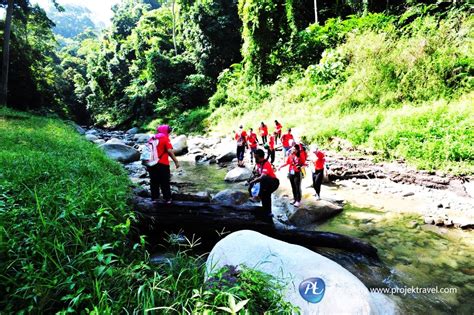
pixel 101 9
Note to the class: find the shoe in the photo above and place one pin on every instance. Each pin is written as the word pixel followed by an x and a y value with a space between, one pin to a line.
pixel 297 204
pixel 317 197
pixel 168 202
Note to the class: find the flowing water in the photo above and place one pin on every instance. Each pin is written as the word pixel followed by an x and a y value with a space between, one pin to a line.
pixel 412 254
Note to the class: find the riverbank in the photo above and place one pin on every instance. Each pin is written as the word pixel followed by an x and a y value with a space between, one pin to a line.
pixel 68 242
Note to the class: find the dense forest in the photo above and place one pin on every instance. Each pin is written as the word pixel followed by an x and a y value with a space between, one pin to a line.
pixel 391 79
pixel 180 61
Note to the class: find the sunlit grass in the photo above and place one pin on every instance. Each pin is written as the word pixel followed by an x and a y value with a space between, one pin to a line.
pixel 65 220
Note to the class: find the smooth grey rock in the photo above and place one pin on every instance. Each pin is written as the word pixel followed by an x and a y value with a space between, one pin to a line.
pixel 92 132
pixel 310 212
pixel 142 138
pixel 115 141
pixel 121 153
pixel 294 265
pixel 91 137
pixel 79 129
pixel 180 145
pixel 231 197
pixel 132 131
pixel 238 174
pixel 225 153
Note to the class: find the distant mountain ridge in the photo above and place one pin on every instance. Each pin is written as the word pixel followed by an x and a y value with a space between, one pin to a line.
pixel 74 20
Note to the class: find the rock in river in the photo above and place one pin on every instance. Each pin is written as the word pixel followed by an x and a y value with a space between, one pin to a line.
pixel 180 145
pixel 231 197
pixel 314 283
pixel 238 174
pixel 121 153
pixel 310 212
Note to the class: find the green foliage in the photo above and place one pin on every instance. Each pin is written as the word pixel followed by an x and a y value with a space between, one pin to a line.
pixel 74 20
pixel 360 89
pixel 268 31
pixel 64 236
pixel 33 71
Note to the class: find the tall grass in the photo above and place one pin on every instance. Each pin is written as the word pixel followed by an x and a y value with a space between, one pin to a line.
pixel 404 89
pixel 64 221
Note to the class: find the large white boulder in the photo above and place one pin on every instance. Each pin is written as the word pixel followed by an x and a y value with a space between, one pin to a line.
pixel 315 284
pixel 121 152
pixel 238 174
pixel 314 211
pixel 180 145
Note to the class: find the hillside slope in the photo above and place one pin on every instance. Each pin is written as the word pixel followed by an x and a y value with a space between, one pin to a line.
pixel 406 92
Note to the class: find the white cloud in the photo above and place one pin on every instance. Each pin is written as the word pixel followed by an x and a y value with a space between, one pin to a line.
pixel 101 9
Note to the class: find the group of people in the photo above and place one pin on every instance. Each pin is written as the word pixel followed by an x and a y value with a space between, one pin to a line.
pixel 295 157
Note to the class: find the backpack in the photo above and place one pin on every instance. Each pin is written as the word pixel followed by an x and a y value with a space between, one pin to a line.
pixel 149 156
pixel 241 140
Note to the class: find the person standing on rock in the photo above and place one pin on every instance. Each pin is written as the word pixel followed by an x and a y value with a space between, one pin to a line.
pixel 241 139
pixel 278 129
pixel 294 173
pixel 318 174
pixel 253 143
pixel 268 180
pixel 263 130
pixel 160 173
pixel 270 146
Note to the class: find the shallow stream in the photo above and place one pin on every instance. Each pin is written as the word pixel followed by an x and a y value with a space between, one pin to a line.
pixel 412 254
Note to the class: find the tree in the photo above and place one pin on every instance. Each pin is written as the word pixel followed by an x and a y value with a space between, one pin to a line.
pixel 6 53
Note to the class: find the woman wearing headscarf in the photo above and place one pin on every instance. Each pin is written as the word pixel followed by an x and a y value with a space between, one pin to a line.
pixel 160 173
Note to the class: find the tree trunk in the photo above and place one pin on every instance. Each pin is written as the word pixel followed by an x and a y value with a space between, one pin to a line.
pixel 316 12
pixel 6 54
pixel 174 27
pixel 210 221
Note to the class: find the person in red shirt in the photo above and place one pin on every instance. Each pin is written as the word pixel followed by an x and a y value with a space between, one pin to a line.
pixel 241 139
pixel 278 129
pixel 294 174
pixel 253 144
pixel 263 130
pixel 268 182
pixel 287 142
pixel 318 174
pixel 270 146
pixel 160 173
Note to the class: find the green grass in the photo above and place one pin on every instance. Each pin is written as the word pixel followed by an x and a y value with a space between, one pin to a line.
pixel 404 91
pixel 64 246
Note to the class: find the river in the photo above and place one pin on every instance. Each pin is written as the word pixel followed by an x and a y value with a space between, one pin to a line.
pixel 412 254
